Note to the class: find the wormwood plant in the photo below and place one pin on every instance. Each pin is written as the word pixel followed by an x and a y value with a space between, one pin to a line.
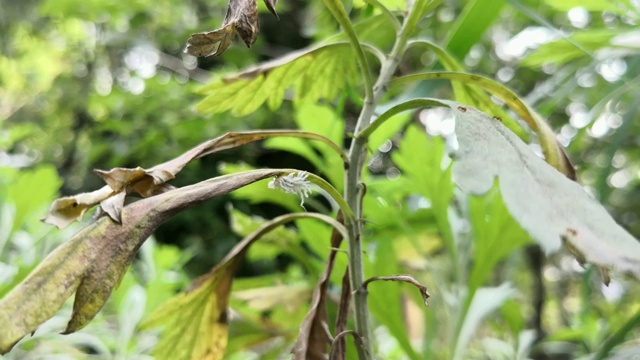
pixel 488 148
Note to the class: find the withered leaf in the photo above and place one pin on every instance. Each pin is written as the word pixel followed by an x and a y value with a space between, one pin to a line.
pixel 152 181
pixel 92 263
pixel 241 18
pixel 313 340
pixel 68 209
pixel 204 303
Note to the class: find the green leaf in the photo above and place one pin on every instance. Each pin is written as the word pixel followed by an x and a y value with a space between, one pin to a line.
pixel 420 159
pixel 495 235
pixel 471 25
pixel 485 301
pixel 30 190
pixel 564 50
pixel 619 7
pixel 316 73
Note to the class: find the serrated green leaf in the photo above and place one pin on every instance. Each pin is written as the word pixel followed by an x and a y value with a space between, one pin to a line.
pixel 432 181
pixel 495 235
pixel 316 73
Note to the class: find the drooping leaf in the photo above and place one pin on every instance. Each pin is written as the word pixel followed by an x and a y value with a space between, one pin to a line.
pixel 549 206
pixel 93 262
pixel 241 19
pixel 152 181
pixel 205 304
pixel 553 151
pixel 319 72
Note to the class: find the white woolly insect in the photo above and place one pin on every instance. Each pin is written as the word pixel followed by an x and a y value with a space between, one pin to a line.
pixel 293 183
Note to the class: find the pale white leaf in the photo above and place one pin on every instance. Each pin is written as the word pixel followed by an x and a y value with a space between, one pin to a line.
pixel 549 206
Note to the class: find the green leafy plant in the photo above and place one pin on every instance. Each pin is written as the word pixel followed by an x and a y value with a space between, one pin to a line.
pixel 509 197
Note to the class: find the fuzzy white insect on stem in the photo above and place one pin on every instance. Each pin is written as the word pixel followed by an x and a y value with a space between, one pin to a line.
pixel 293 183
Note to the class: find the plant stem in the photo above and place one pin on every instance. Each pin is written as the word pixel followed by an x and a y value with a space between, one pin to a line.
pixel 357 156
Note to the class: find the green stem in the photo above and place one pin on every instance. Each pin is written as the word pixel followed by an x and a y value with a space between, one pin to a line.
pixel 357 156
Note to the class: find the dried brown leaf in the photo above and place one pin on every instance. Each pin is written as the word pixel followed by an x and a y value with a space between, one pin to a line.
pixel 68 209
pixel 313 338
pixel 241 18
pixel 339 345
pixel 93 262
pixel 271 5
pixel 152 181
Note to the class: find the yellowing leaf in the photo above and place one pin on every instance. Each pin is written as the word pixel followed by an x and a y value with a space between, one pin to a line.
pixel 195 322
pixel 312 74
pixel 549 206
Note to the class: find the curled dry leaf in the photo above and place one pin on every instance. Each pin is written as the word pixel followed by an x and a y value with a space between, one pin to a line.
pixel 205 301
pixel 549 206
pixel 92 263
pixel 68 209
pixel 241 18
pixel 152 181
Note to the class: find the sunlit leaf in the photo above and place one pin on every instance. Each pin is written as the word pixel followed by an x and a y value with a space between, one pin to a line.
pixel 620 7
pixel 316 73
pixel 578 45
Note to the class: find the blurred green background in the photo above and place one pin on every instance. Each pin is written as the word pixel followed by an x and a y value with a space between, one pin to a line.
pixel 96 84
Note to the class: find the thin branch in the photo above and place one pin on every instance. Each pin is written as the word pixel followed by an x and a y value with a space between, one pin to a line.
pixel 404 278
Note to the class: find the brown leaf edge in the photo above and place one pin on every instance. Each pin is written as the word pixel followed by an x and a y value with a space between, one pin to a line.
pixel 152 181
pixel 229 264
pixel 93 262
pixel 313 337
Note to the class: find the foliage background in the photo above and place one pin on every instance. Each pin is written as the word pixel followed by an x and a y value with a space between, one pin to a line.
pixel 99 84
